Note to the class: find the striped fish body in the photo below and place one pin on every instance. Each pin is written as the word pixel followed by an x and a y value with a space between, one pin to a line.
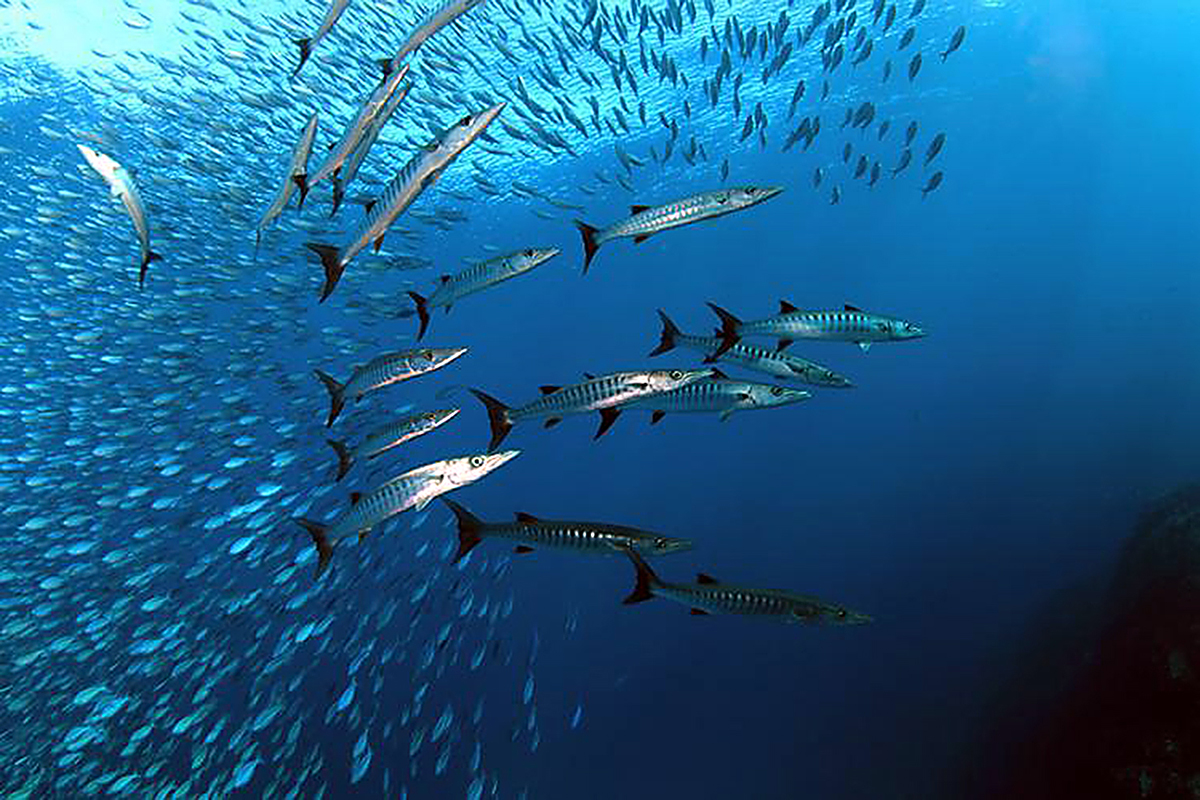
pixel 297 169
pixel 439 18
pixel 848 325
pixel 713 596
pixel 606 391
pixel 403 430
pixel 350 167
pixel 486 274
pixel 646 221
pixel 392 368
pixel 718 396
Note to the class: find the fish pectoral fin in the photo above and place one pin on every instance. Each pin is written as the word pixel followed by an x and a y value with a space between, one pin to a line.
pixel 550 423
pixel 704 578
pixel 522 549
pixel 424 501
pixel 656 416
pixel 523 517
pixel 698 612
pixel 864 346
pixel 783 345
pixel 607 417
pixel 640 239
pixel 725 415
pixel 378 244
pixel 363 534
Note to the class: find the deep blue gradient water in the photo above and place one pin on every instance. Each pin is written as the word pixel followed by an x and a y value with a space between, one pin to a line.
pixel 969 477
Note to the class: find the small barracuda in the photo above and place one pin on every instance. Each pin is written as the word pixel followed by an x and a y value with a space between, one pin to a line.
pixel 758 359
pixel 417 175
pixel 453 288
pixel 307 45
pixel 645 221
pixel 384 370
pixel 122 186
pixel 349 169
pixel 709 595
pixel 436 20
pixel 601 394
pixel 389 436
pixel 848 325
pixel 345 147
pixel 414 489
pixel 717 396
pixel 529 532
pixel 297 170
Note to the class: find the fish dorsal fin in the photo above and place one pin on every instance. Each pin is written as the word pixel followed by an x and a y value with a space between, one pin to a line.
pixel 705 578
pixel 355 497
pixel 549 389
pixel 640 239
pixel 656 416
pixel 849 307
pixel 638 209
pixel 785 307
pixel 523 517
pixel 521 549
pixel 716 373
pixel 698 612
pixel 444 278
pixel 589 376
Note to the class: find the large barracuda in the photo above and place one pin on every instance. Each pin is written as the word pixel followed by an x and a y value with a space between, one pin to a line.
pixel 382 371
pixel 345 176
pixel 759 359
pixel 645 221
pixel 529 532
pixel 358 128
pixel 417 175
pixel 848 325
pixel 122 186
pixel 332 14
pixel 413 489
pixel 601 394
pixel 709 595
pixel 453 288
pixel 297 170
pixel 389 436
pixel 432 23
pixel 717 396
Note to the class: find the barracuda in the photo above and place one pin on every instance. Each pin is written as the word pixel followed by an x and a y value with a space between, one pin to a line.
pixel 436 20
pixel 709 595
pixel 601 394
pixel 848 325
pixel 717 396
pixel 645 221
pixel 529 532
pixel 421 172
pixel 358 128
pixel 477 278
pixel 384 370
pixel 307 45
pixel 758 359
pixel 297 170
pixel 123 188
pixel 414 489
pixel 345 176
pixel 389 436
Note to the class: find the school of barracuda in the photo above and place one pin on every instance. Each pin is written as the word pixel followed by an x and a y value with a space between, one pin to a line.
pixel 133 421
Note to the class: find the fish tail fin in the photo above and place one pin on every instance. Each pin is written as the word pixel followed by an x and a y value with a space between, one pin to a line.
pixel 343 456
pixel 728 332
pixel 669 332
pixel 301 182
pixel 469 527
pixel 646 579
pixel 320 541
pixel 305 46
pixel 422 312
pixel 497 418
pixel 337 395
pixel 257 241
pixel 589 243
pixel 332 262
pixel 150 256
pixel 339 192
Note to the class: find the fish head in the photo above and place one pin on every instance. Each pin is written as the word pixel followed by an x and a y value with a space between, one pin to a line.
pixel 662 545
pixel 468 469
pixel 434 419
pixel 826 613
pixel 531 257
pixel 822 376
pixel 765 395
pixel 468 129
pixel 431 358
pixel 898 329
pixel 742 196
pixel 106 166
pixel 665 380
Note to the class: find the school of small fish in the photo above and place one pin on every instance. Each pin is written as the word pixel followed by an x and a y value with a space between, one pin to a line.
pixel 135 424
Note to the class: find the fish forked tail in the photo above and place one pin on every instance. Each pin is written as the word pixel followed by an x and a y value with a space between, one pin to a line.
pixel 422 313
pixel 469 527
pixel 669 332
pixel 320 541
pixel 150 256
pixel 337 395
pixel 339 193
pixel 332 262
pixel 305 51
pixel 589 243
pixel 301 182
pixel 646 579
pixel 497 418
pixel 343 456
pixel 728 332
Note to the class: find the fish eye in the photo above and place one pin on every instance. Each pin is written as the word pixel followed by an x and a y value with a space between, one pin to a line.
pixel 476 461
pixel 841 613
pixel 465 120
pixel 751 190
pixel 660 543
pixel 777 390
pixel 676 374
pixel 427 355
pixel 529 253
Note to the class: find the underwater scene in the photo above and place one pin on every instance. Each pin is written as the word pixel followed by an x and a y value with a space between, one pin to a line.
pixel 599 399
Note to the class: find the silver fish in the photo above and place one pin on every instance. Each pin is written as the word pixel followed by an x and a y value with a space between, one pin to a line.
pixel 382 371
pixel 389 436
pixel 297 170
pixel 717 396
pixel 122 186
pixel 437 19
pixel 307 45
pixel 848 325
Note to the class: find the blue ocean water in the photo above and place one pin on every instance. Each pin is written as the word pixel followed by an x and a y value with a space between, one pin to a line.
pixel 163 634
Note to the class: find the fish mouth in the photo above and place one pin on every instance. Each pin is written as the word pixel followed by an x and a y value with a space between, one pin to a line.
pixel 496 460
pixel 767 192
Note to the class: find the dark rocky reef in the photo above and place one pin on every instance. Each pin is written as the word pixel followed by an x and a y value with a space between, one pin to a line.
pixel 1105 699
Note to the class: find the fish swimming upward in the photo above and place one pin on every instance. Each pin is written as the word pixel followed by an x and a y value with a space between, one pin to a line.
pixel 309 44
pixel 297 170
pixel 383 370
pixel 413 489
pixel 530 532
pixel 645 221
pixel 122 186
pixel 711 596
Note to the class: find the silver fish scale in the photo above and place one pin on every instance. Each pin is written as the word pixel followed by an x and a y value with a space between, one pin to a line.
pixel 761 359
pixel 666 216
pixel 386 501
pixel 395 434
pixel 575 536
pixel 732 600
pixel 586 396
pixel 472 280
pixel 815 325
pixel 386 369
pixel 703 396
